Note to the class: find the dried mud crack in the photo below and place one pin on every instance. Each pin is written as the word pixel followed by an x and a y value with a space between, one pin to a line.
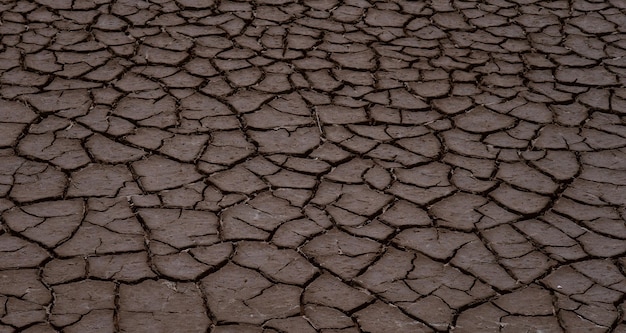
pixel 312 166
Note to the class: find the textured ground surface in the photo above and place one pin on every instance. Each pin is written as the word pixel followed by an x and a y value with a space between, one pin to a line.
pixel 312 166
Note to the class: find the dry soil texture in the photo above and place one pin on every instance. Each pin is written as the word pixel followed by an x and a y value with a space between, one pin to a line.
pixel 283 166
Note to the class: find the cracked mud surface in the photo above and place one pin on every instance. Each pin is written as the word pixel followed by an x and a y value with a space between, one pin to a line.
pixel 312 166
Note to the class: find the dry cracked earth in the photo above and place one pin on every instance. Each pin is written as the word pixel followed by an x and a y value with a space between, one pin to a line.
pixel 327 166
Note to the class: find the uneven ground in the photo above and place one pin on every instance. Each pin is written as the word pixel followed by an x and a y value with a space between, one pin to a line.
pixel 312 166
